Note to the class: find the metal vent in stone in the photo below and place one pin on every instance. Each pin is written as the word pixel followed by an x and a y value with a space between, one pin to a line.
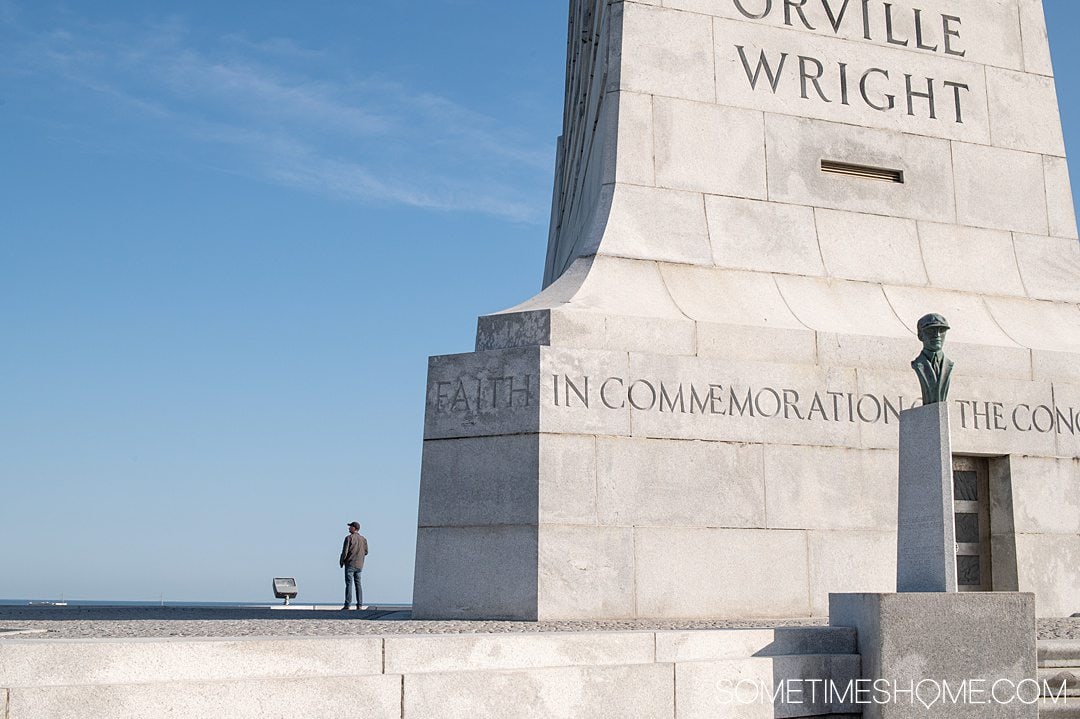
pixel 867 172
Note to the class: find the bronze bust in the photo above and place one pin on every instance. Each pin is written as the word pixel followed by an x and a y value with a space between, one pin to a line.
pixel 932 367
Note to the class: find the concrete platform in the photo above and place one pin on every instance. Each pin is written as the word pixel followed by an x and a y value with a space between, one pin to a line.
pixel 565 674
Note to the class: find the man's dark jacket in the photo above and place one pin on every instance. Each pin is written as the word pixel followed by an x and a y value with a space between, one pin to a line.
pixel 935 375
pixel 353 551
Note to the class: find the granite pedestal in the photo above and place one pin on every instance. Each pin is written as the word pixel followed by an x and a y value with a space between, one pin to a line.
pixel 952 655
pixel 926 533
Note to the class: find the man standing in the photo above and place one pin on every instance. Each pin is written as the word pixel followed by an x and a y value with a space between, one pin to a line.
pixel 352 559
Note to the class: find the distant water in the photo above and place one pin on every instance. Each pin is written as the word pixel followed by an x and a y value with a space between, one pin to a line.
pixel 167 603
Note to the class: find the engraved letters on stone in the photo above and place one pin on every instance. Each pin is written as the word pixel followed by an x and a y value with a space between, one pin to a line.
pixel 842 81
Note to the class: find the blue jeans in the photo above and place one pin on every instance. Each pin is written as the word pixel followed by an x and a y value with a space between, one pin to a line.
pixel 352 577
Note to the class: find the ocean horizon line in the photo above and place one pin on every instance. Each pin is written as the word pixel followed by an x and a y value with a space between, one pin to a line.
pixel 180 603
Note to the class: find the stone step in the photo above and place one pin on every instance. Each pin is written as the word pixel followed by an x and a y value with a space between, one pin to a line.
pixel 26 662
pixel 1061 710
pixel 373 697
pixel 800 677
pixel 585 685
pixel 1059 653
pixel 696 645
pixel 1052 678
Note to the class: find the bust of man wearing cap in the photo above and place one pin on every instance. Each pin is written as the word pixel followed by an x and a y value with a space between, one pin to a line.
pixel 932 367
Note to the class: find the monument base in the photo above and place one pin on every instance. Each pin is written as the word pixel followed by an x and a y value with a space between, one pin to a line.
pixel 944 654
pixel 746 673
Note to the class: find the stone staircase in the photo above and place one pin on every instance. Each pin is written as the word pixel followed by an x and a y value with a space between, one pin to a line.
pixel 1059 664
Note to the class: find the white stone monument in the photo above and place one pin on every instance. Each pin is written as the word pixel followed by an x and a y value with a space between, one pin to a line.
pixel 754 201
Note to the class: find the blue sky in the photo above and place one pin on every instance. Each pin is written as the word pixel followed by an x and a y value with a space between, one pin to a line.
pixel 231 235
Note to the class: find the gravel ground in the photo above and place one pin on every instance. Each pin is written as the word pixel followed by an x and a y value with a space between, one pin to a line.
pixel 149 622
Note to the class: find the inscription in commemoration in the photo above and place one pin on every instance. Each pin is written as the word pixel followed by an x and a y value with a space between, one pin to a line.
pixel 717 400
pixel 644 395
pixel 834 81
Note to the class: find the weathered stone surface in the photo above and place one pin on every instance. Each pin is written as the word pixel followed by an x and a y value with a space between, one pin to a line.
pixel 24 664
pixel 621 691
pixel 871 248
pixel 748 343
pixel 1048 266
pixel 1038 325
pixel 797 146
pixel 709 646
pixel 318 698
pixel 1045 495
pixel 497 652
pixel 806 485
pixel 1044 566
pixel 900 640
pixel 1065 432
pixel 1048 365
pixel 657 223
pixel 476 572
pixel 1000 189
pixel 855 322
pixel 947 251
pixel 1024 112
pixel 1059 199
pixel 513 329
pixel 692 134
pixel 645 334
pixel 744 688
pixel 586 571
pixel 1036 42
pixel 671 53
pixel 480 481
pixel 567 470
pixel 739 315
pixel 850 561
pixel 686 572
pixel 60 624
pixel 663 482
pixel 748 234
pixel 636 163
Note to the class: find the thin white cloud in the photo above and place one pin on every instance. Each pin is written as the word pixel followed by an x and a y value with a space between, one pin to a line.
pixel 369 140
pixel 288 162
pixel 280 46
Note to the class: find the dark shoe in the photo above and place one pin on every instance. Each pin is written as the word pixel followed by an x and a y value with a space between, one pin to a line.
pixel 345 607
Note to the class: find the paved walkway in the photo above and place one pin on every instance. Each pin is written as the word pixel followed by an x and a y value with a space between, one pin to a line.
pixel 147 622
